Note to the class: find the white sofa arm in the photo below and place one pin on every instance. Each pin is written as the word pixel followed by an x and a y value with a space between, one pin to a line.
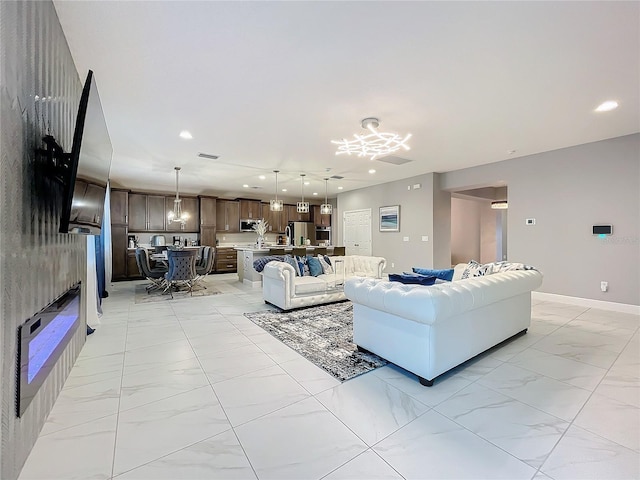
pixel 281 271
pixel 429 304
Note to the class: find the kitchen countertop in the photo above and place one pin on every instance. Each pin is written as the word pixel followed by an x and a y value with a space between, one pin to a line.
pixel 253 248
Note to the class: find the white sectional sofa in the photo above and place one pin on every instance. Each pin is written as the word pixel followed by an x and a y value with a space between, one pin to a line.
pixel 282 288
pixel 428 330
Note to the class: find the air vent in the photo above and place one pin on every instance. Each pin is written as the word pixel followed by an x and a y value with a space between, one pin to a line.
pixel 336 177
pixel 208 155
pixel 393 160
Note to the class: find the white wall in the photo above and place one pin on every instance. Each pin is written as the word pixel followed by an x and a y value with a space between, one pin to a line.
pixel 423 212
pixel 567 191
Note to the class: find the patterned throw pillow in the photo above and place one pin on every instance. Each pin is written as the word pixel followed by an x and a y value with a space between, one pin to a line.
pixel 473 270
pixel 497 267
pixel 304 267
pixel 326 267
pixel 291 261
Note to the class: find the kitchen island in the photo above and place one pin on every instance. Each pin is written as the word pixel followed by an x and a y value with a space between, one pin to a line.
pixel 247 254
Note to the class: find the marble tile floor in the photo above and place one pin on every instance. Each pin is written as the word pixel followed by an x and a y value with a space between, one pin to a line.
pixel 191 389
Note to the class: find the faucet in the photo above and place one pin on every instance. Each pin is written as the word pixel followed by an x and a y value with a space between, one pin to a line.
pixel 287 233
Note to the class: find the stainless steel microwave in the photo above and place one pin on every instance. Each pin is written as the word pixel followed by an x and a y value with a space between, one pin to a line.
pixel 247 225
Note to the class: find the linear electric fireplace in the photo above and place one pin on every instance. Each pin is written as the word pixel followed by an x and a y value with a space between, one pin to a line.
pixel 41 341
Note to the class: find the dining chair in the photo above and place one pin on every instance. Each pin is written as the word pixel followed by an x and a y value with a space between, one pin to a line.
pixel 182 269
pixel 299 252
pixel 339 251
pixel 320 251
pixel 154 275
pixel 276 251
pixel 206 265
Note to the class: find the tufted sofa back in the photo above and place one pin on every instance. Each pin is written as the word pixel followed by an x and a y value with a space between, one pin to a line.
pixel 430 304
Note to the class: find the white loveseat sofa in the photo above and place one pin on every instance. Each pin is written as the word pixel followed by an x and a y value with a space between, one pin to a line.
pixel 282 288
pixel 428 330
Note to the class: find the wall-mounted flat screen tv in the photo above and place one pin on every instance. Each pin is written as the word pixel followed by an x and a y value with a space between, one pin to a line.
pixel 89 165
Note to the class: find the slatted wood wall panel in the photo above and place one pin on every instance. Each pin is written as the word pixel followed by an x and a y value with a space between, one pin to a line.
pixel 36 263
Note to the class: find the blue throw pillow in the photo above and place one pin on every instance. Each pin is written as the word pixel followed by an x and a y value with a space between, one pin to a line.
pixel 315 267
pixel 412 279
pixel 443 274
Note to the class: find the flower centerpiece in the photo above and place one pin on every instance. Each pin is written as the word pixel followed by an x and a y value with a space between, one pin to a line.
pixel 260 227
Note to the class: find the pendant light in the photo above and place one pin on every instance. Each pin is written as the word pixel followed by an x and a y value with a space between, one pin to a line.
pixel 177 215
pixel 326 208
pixel 303 207
pixel 276 205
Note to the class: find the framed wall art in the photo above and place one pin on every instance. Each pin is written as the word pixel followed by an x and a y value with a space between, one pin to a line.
pixel 390 218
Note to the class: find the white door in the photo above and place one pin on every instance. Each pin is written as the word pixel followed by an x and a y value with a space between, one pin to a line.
pixel 357 232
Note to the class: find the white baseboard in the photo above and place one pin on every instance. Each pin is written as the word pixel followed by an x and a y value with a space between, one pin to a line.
pixel 587 302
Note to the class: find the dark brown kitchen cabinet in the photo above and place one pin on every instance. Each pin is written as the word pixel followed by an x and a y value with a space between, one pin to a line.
pixel 226 259
pixel 294 216
pixel 208 211
pixel 276 220
pixel 227 216
pixel 188 205
pixel 119 207
pixel 207 236
pixel 146 213
pixel 319 219
pixel 133 272
pixel 250 209
pixel 118 252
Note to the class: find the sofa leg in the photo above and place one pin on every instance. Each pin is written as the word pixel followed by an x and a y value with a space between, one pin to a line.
pixel 425 382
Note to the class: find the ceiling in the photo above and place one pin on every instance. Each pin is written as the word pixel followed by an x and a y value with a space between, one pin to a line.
pixel 268 85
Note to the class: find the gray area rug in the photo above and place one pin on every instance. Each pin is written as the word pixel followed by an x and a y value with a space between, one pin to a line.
pixel 202 289
pixel 322 334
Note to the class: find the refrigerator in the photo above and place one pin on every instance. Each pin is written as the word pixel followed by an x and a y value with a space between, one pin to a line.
pixel 299 232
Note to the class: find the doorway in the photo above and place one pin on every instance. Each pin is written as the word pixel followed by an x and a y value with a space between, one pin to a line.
pixel 357 232
pixel 478 229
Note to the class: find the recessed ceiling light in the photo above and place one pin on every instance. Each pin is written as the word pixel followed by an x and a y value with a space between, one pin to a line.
pixel 307 183
pixel 339 188
pixel 245 186
pixel 607 106
pixel 284 189
pixel 315 193
pixel 186 135
pixel 262 177
pixel 372 171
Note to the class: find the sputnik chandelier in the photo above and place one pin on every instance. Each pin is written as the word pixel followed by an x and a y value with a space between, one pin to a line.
pixel 374 144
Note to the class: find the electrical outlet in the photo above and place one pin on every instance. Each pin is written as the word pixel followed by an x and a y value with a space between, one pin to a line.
pixel 425 238
pixel 393 265
pixel 604 286
pixel 408 187
pixel 530 221
pixel 405 239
